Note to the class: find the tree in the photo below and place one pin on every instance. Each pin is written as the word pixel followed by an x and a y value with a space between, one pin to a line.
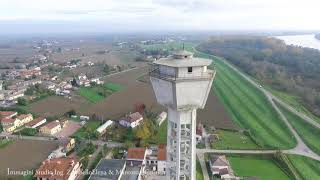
pixel 106 69
pixel 70 113
pixel 139 107
pixel 22 101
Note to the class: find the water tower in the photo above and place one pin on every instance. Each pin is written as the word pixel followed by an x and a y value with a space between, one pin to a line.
pixel 182 84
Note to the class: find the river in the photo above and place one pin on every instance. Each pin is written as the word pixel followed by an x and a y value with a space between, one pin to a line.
pixel 307 40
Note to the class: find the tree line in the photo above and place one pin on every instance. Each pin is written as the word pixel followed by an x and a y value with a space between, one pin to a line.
pixel 286 68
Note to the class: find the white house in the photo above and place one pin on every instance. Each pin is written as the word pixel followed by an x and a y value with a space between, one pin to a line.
pixel 82 80
pixel 102 129
pixel 133 120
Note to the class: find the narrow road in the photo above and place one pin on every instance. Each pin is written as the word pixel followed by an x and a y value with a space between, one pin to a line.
pixel 203 166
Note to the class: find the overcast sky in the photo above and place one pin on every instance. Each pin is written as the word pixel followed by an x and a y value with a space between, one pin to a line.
pixel 150 15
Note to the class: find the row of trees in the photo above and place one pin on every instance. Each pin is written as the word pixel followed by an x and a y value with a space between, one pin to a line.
pixel 291 69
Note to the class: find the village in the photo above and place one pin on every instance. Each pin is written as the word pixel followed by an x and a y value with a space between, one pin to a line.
pixel 128 144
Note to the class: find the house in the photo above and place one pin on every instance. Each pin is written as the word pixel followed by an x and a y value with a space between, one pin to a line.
pixel 49 85
pixel 58 153
pixel 136 160
pixel 96 80
pixel 133 120
pixel 59 168
pixel 9 124
pixel 36 122
pixel 29 73
pixel 84 118
pixel 67 144
pixel 13 95
pixel 102 129
pixel 25 118
pixel 114 169
pixel 161 117
pixel 8 114
pixel 156 160
pixel 220 166
pixel 82 80
pixel 51 128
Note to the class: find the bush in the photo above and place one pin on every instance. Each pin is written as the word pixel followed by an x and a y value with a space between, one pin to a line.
pixel 28 132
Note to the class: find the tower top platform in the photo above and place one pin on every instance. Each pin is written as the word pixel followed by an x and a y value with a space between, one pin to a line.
pixel 182 59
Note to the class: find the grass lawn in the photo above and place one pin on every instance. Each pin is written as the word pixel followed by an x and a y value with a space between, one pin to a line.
pixel 306 167
pixel 161 137
pixel 245 103
pixel 113 86
pixel 199 173
pixel 306 131
pixel 90 94
pixel 256 166
pixel 98 93
pixel 233 140
pixel 295 102
pixel 90 127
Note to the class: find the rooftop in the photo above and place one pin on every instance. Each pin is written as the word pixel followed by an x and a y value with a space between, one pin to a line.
pixel 7 113
pixel 52 124
pixel 35 121
pixel 61 165
pixel 182 59
pixel 136 153
pixel 108 169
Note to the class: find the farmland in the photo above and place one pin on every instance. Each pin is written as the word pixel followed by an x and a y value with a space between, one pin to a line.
pixel 263 168
pixel 307 168
pixel 233 140
pixel 24 155
pixel 306 131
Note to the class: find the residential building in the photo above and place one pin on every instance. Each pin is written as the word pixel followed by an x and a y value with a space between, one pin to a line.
pixel 96 80
pixel 136 161
pixel 36 122
pixel 29 73
pixel 109 169
pixel 102 129
pixel 82 80
pixel 25 118
pixel 133 120
pixel 14 95
pixel 51 128
pixel 9 124
pixel 156 160
pixel 220 166
pixel 59 168
pixel 8 114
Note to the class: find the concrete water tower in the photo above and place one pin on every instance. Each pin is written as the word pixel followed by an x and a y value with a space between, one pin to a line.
pixel 182 84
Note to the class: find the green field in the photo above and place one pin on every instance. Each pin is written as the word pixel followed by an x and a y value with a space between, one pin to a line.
pixel 98 93
pixel 88 130
pixel 260 167
pixel 199 173
pixel 233 140
pixel 246 104
pixel 113 86
pixel 306 167
pixel 294 102
pixel 306 131
pixel 250 109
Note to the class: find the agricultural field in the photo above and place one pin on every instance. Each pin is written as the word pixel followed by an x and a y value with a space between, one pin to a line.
pixel 233 140
pixel 306 131
pixel 307 168
pixel 24 155
pixel 263 168
pixel 4 143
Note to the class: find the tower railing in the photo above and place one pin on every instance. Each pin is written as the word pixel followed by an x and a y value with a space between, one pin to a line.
pixel 155 72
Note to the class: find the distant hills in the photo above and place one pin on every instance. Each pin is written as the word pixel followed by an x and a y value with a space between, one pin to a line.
pixel 317 36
